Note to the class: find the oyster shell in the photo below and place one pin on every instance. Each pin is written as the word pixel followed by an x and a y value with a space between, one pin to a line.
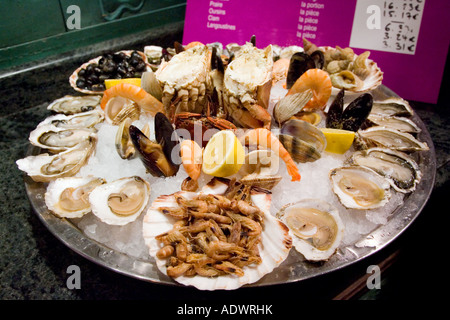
pixel 273 249
pixel 121 201
pixel 401 170
pixel 69 197
pixel 56 139
pixel 359 187
pixel 315 227
pixel 86 119
pixel 389 138
pixel 392 107
pixel 74 104
pixel 45 167
pixel 401 124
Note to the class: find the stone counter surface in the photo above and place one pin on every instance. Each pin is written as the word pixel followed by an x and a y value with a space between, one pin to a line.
pixel 34 263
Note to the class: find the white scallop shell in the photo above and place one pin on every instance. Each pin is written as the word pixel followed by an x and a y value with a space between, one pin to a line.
pixel 99 202
pixel 373 80
pixel 274 247
pixel 74 76
pixel 310 252
pixel 54 190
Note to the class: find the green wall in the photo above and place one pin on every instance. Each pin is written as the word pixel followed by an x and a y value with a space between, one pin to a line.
pixel 35 29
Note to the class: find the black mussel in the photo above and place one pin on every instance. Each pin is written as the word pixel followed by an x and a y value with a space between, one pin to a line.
pixel 151 154
pixel 119 56
pixel 167 137
pixel 353 116
pixel 300 62
pixel 319 59
pixel 253 40
pixel 334 115
pixel 109 66
pixel 357 112
pixel 81 83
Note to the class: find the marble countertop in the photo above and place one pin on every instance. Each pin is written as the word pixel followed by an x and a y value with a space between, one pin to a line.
pixel 33 262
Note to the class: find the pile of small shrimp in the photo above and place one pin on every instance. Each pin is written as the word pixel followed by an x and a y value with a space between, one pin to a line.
pixel 214 235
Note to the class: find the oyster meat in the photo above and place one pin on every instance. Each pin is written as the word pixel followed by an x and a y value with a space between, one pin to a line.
pixel 69 197
pixel 121 201
pixel 400 169
pixel 315 226
pixel 75 104
pixel 45 167
pixel 57 139
pixel 359 187
pixel 86 119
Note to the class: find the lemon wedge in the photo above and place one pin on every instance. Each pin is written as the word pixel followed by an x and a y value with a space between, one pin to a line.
pixel 112 82
pixel 223 155
pixel 338 141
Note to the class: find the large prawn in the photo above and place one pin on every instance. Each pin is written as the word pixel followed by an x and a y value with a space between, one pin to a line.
pixel 143 99
pixel 264 138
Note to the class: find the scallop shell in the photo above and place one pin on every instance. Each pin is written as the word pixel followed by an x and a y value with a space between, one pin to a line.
pixel 305 247
pixel 74 76
pixel 274 247
pixel 99 201
pixel 371 82
pixel 56 188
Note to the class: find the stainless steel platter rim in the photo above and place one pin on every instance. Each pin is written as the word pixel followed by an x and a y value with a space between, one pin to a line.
pixel 146 270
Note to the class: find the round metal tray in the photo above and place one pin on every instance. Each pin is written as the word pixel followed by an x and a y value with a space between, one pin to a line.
pixel 291 270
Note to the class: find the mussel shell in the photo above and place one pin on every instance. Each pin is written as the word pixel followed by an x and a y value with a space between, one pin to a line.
pixel 140 141
pixel 168 139
pixel 357 112
pixel 318 58
pixel 300 62
pixel 334 114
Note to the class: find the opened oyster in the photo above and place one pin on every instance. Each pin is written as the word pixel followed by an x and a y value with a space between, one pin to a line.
pixel 45 167
pixel 400 169
pixel 401 124
pixel 69 197
pixel 121 201
pixel 392 107
pixel 359 187
pixel 74 104
pixel 388 138
pixel 57 139
pixel 315 226
pixel 86 119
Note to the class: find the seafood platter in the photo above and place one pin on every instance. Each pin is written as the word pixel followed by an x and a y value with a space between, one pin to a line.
pixel 221 166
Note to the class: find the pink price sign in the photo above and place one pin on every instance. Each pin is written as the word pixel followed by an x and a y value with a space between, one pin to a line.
pixel 408 39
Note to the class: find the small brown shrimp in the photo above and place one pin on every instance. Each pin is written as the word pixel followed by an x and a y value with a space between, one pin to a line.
pixel 214 216
pixel 264 138
pixel 182 251
pixel 221 250
pixel 191 205
pixel 165 252
pixel 320 84
pixel 247 209
pixel 229 267
pixel 143 99
pixel 235 233
pixel 175 212
pixel 255 227
pixel 179 270
pixel 173 236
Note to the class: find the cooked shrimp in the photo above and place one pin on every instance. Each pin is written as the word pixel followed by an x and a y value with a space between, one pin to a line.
pixel 143 99
pixel 191 157
pixel 266 139
pixel 280 70
pixel 320 84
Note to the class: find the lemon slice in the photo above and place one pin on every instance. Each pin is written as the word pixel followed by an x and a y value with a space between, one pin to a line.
pixel 223 155
pixel 112 82
pixel 338 141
